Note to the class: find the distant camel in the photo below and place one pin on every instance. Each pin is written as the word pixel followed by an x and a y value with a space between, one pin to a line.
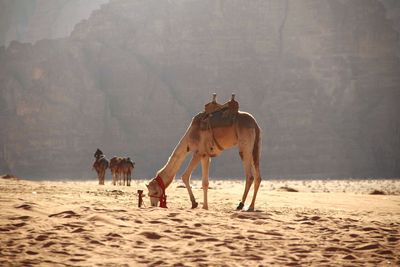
pixel 208 135
pixel 100 165
pixel 115 167
pixel 127 165
pixel 121 170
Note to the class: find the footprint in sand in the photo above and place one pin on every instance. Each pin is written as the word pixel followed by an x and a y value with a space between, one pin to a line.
pixel 176 220
pixel 25 206
pixel 76 260
pixel 48 244
pixel 208 239
pixel 254 257
pixel 227 245
pixel 158 263
pixel 95 242
pixel 335 249
pixel 41 237
pixel 392 239
pixel 349 257
pixel 60 252
pixel 369 229
pixel 65 214
pixel 78 230
pixel 22 218
pixel 158 248
pixel 29 262
pixel 18 225
pixel 30 252
pixel 368 247
pixel 151 235
pixel 112 236
pixel 190 232
pixel 156 222
pixel 385 252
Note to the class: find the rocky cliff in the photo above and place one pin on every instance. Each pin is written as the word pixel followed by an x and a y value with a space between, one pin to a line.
pixel 321 77
pixel 33 20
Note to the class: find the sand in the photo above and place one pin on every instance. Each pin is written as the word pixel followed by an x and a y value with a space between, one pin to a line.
pixel 83 224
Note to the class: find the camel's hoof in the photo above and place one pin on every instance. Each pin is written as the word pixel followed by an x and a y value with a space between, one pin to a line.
pixel 240 206
pixel 205 208
pixel 249 209
pixel 194 205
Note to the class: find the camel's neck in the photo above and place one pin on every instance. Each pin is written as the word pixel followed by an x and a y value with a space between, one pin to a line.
pixel 168 172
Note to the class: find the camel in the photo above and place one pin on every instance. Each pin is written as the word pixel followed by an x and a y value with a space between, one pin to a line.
pixel 121 169
pixel 127 165
pixel 100 165
pixel 206 137
pixel 115 167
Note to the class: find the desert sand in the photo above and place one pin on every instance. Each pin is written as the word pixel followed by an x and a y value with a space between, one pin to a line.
pixel 326 223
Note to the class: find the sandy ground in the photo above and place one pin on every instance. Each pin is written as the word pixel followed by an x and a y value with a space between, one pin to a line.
pixel 83 224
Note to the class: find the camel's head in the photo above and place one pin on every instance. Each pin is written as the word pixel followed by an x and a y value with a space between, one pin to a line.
pixel 154 192
pixel 131 163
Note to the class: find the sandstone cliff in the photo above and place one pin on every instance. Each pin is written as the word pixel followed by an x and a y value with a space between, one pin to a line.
pixel 33 20
pixel 321 77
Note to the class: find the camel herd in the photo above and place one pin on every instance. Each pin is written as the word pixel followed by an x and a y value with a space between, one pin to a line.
pixel 120 167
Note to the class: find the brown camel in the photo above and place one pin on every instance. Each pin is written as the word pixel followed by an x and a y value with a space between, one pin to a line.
pixel 121 169
pixel 127 165
pixel 116 171
pixel 209 133
pixel 100 165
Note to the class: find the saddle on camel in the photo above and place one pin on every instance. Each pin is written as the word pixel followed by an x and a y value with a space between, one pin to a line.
pixel 217 128
pixel 216 115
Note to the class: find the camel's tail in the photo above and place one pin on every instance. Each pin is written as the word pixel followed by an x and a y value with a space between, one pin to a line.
pixel 257 148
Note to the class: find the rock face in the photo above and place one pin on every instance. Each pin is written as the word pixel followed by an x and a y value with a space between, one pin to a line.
pixel 321 77
pixel 32 20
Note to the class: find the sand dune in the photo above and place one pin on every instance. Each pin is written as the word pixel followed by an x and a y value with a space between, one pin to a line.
pixel 84 224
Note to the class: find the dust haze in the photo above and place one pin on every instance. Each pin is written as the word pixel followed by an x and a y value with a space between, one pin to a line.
pixel 322 79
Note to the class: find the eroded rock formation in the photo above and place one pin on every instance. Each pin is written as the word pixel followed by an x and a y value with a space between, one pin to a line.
pixel 321 77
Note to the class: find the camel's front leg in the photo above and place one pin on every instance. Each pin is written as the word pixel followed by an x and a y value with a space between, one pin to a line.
pixel 205 165
pixel 186 177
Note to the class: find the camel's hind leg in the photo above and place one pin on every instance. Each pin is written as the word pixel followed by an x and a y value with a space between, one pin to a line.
pixel 114 177
pixel 205 165
pixel 129 179
pixel 186 177
pixel 247 165
pixel 101 176
pixel 104 176
pixel 257 182
pixel 246 140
